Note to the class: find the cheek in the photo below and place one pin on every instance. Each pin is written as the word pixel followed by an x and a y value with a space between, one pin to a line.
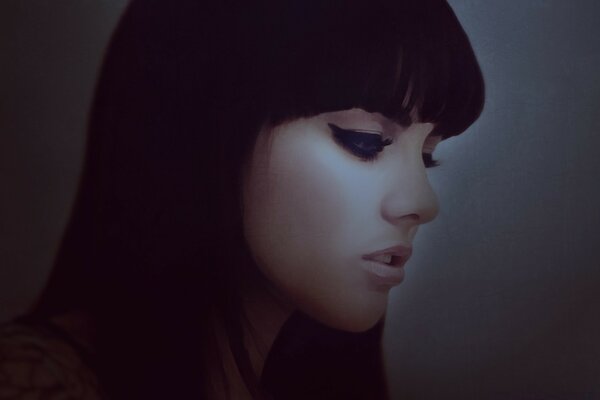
pixel 294 212
pixel 309 199
pixel 303 212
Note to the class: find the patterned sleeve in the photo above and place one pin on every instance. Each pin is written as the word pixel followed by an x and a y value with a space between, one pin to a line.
pixel 36 363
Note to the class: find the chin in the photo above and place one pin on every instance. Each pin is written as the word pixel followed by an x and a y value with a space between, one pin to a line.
pixel 356 325
pixel 349 317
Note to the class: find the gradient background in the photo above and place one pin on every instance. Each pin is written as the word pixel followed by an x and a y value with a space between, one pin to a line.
pixel 502 296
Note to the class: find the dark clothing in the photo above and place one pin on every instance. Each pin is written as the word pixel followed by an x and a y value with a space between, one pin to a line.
pixel 311 361
pixel 307 361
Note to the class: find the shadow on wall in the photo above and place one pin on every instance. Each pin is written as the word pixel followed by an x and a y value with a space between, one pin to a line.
pixel 50 55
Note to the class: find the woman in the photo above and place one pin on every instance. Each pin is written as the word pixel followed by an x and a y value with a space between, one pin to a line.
pixel 254 178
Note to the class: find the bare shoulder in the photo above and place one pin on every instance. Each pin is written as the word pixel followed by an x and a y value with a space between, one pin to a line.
pixel 38 363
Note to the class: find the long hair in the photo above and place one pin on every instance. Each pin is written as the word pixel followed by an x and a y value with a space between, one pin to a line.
pixel 154 249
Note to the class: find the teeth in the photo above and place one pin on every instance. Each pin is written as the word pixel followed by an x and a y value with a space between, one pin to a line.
pixel 384 258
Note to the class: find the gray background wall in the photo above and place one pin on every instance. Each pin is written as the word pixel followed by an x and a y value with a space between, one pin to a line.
pixel 50 52
pixel 501 298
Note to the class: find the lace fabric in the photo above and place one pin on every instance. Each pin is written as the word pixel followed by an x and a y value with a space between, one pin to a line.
pixel 39 360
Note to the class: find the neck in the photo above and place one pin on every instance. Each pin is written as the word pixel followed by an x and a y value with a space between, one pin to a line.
pixel 266 312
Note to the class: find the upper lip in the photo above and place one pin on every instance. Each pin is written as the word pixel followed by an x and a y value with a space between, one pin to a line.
pixel 400 254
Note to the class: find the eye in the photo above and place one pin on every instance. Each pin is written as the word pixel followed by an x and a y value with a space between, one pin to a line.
pixel 428 147
pixel 429 161
pixel 366 145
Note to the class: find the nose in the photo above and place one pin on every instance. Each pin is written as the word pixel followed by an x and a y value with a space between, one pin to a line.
pixel 410 200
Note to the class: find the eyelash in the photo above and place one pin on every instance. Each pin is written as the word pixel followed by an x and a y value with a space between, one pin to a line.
pixel 348 139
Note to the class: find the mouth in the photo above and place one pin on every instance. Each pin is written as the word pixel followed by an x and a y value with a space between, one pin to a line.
pixel 388 259
pixel 384 276
pixel 395 256
pixel 384 267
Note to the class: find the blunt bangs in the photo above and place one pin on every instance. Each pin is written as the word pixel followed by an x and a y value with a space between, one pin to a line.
pixel 399 58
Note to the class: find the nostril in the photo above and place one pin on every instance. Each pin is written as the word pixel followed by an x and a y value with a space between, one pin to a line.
pixel 415 217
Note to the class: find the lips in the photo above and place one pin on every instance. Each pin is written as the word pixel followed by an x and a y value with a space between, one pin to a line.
pixel 384 267
pixel 395 256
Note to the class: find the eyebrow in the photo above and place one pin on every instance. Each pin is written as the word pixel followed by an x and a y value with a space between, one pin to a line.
pixel 388 119
pixel 391 119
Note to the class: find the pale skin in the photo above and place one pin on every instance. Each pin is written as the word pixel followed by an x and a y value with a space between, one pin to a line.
pixel 312 208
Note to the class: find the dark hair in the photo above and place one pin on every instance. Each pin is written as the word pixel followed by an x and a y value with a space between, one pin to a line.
pixel 184 90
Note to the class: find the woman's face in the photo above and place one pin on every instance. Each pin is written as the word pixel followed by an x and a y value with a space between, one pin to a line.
pixel 325 193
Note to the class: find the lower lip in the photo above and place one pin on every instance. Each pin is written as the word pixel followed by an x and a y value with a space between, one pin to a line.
pixel 383 274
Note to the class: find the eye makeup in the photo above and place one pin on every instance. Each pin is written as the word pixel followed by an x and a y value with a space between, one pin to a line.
pixel 362 143
pixel 367 144
pixel 429 161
